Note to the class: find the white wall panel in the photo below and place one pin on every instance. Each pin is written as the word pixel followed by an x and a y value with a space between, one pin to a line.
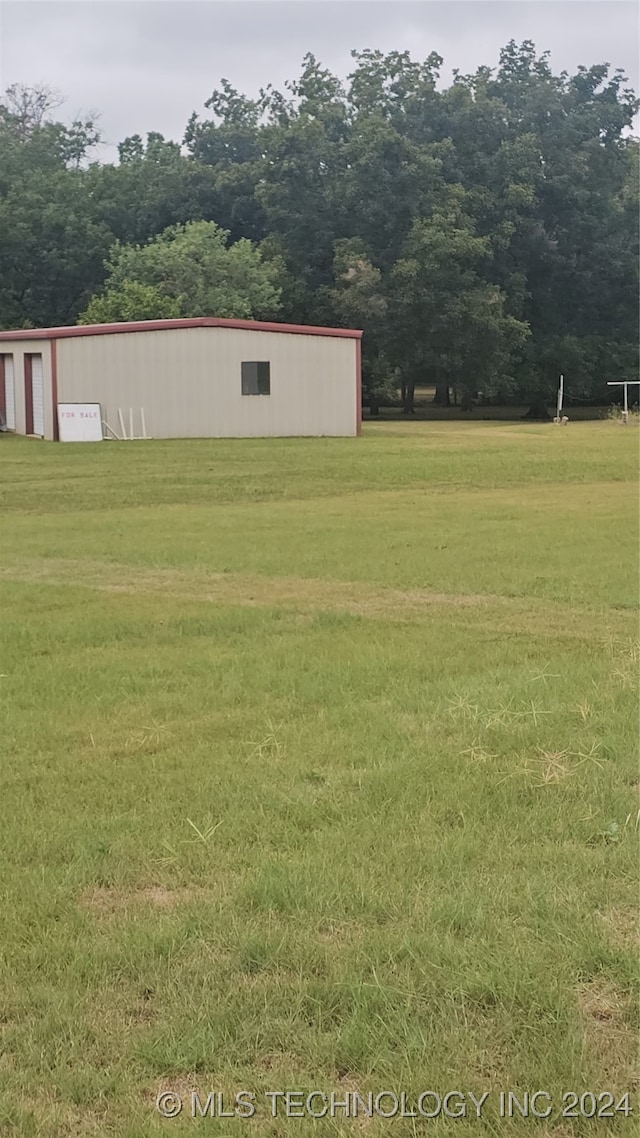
pixel 37 387
pixel 189 381
pixel 10 392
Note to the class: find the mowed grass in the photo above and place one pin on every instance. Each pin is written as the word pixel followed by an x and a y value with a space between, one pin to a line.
pixel 320 773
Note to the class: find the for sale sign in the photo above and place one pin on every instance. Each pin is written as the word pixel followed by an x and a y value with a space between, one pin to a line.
pixel 80 422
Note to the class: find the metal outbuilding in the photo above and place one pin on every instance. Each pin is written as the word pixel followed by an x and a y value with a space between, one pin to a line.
pixel 204 377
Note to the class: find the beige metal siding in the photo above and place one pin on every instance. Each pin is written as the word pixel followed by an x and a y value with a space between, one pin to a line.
pixel 189 381
pixel 19 349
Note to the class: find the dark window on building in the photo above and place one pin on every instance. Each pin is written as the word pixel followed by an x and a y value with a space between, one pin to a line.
pixel 256 378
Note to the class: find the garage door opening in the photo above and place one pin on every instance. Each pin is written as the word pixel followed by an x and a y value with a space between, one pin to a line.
pixel 34 394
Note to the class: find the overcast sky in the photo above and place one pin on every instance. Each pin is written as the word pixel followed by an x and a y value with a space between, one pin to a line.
pixel 146 65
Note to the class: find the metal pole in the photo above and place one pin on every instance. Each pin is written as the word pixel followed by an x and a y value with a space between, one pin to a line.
pixel 624 383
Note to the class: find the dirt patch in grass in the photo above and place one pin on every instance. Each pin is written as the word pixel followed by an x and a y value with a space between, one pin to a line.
pixel 181 1085
pixel 610 1039
pixel 105 901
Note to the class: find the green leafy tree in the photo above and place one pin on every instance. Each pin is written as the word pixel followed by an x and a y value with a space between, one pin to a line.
pixel 450 325
pixel 230 147
pixel 193 272
pixel 358 300
pixel 153 187
pixel 52 244
pixel 298 189
pixel 546 162
pixel 130 301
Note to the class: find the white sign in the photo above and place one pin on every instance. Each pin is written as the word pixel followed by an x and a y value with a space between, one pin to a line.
pixel 80 422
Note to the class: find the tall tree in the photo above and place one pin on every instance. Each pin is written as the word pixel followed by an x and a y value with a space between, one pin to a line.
pixel 52 246
pixel 187 271
pixel 229 145
pixel 450 325
pixel 358 300
pixel 153 186
pixel 545 159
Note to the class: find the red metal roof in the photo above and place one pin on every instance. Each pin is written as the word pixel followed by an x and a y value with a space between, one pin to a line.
pixel 162 325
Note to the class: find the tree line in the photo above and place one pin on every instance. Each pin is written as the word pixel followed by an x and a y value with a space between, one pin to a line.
pixel 483 235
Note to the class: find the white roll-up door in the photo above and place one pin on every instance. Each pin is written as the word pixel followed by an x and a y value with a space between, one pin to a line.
pixel 37 386
pixel 10 393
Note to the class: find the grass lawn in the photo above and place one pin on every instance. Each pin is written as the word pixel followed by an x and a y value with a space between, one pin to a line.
pixel 320 774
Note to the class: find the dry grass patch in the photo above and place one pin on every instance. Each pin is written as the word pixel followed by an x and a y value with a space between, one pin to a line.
pixel 104 900
pixel 60 1119
pixel 281 1062
pixel 477 754
pixel 312 595
pixel 181 1085
pixel 237 588
pixel 610 1039
pixel 553 767
pixel 339 933
pixel 622 927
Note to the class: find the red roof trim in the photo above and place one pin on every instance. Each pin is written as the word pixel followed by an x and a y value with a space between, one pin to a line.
pixel 167 325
